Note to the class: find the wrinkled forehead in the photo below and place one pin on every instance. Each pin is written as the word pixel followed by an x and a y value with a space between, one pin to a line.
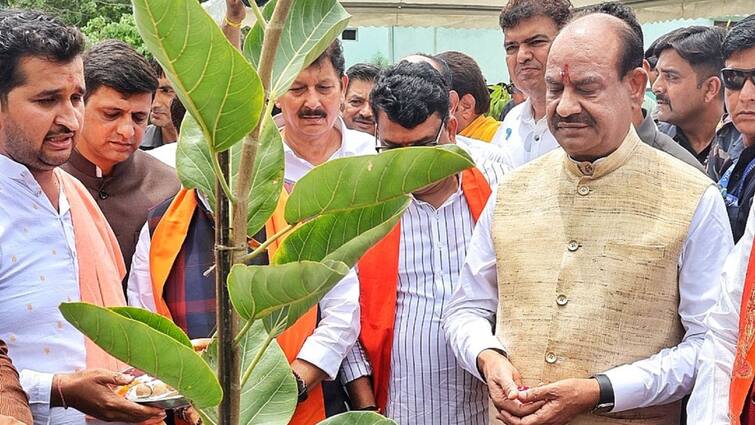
pixel 569 57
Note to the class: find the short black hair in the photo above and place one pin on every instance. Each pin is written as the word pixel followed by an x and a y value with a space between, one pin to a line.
pixel 442 68
pixel 363 72
pixel 700 46
pixel 115 64
pixel 26 33
pixel 650 55
pixel 740 37
pixel 409 93
pixel 177 112
pixel 334 53
pixel 630 33
pixel 156 67
pixel 516 11
pixel 467 79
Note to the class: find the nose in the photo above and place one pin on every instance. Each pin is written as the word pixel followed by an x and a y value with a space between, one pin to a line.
pixel 70 116
pixel 568 103
pixel 659 86
pixel 524 53
pixel 748 91
pixel 126 128
pixel 366 111
pixel 312 99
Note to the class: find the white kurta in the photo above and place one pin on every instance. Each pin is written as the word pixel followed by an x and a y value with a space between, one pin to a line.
pixel 709 403
pixel 662 378
pixel 522 138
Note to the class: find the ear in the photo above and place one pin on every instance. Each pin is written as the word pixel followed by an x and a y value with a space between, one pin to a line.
pixel 452 124
pixel 646 66
pixel 467 105
pixel 453 103
pixel 344 84
pixel 637 80
pixel 713 88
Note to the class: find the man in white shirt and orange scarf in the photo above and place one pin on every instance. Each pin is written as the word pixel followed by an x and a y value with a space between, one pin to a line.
pixel 55 245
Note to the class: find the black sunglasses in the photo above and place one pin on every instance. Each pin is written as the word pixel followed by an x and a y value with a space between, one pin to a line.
pixel 381 146
pixel 735 79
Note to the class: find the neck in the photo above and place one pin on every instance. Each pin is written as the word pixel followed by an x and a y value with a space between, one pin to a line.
pixel 538 106
pixel 315 150
pixel 49 184
pixel 637 118
pixel 702 129
pixel 169 134
pixel 748 140
pixel 440 192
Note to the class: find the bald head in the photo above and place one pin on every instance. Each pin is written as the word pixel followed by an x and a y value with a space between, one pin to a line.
pixel 590 95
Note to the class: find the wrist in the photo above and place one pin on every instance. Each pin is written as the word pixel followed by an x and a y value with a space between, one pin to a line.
pixel 488 357
pixel 57 396
pixel 604 402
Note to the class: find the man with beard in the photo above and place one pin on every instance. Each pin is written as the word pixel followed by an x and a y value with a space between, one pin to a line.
pixel 170 280
pixel 161 130
pixel 357 113
pixel 125 181
pixel 529 27
pixel 599 288
pixel 55 244
pixel 688 89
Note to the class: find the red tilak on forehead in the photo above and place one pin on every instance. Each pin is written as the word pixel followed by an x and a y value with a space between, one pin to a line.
pixel 565 74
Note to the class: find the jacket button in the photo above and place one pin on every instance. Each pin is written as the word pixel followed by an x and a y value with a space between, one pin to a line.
pixel 550 358
pixel 583 190
pixel 562 300
pixel 573 246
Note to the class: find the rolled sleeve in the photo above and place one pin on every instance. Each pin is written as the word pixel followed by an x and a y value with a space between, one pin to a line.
pixel 468 321
pixel 338 328
pixel 355 365
pixel 139 290
pixel 37 386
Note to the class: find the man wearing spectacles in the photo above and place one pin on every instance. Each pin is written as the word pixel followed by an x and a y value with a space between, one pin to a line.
pixel 408 278
pixel 723 391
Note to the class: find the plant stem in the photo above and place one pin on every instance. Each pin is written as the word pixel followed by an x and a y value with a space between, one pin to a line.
pixel 228 358
pixel 258 15
pixel 221 178
pixel 262 248
pixel 243 331
pixel 248 372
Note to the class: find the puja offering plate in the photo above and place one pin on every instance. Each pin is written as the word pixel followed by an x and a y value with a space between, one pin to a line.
pixel 150 391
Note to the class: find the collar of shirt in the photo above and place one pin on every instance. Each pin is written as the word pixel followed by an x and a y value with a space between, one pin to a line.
pixel 352 143
pixel 20 174
pixel 89 169
pixel 606 165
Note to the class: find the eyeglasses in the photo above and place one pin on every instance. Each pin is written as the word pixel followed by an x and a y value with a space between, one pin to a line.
pixel 735 79
pixel 381 146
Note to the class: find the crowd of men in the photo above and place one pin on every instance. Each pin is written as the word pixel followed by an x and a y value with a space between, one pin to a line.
pixel 584 271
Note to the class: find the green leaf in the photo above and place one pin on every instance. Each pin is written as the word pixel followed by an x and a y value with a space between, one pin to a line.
pixel 258 291
pixel 344 236
pixel 155 321
pixel 138 344
pixel 269 396
pixel 360 181
pixel 215 83
pixel 357 418
pixel 193 161
pixel 311 26
pixel 253 43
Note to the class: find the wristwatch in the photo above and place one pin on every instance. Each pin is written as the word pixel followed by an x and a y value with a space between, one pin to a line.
pixel 606 399
pixel 301 388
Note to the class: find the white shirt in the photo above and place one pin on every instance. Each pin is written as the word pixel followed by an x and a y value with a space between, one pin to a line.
pixel 662 378
pixel 339 323
pixel 38 272
pixel 427 386
pixel 522 138
pixel 709 403
pixel 165 153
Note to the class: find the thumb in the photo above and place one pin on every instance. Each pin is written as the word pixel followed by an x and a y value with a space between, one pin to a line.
pixel 535 394
pixel 115 378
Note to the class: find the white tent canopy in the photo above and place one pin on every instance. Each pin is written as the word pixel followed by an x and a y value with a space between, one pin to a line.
pixel 484 13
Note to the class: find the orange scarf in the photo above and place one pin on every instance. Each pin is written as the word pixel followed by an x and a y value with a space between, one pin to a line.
pixel 482 128
pixel 744 360
pixel 101 267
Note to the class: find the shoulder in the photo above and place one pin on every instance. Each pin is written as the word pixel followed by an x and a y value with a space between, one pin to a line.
pixel 357 143
pixel 513 117
pixel 678 172
pixel 668 145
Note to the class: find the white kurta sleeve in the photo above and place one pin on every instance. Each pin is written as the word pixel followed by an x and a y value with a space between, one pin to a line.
pixel 710 397
pixel 338 328
pixel 139 289
pixel 468 321
pixel 670 374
